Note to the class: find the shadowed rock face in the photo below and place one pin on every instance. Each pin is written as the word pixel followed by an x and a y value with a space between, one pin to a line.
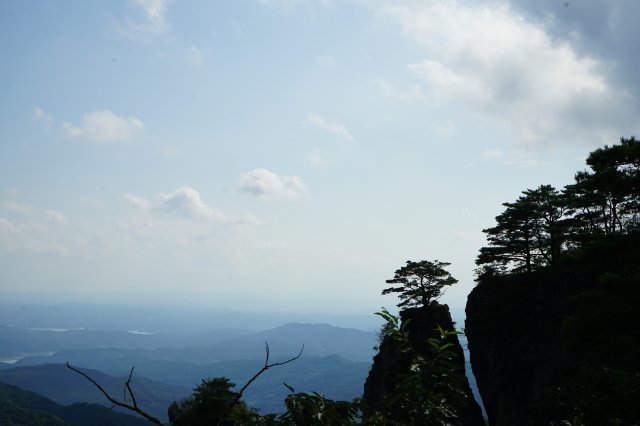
pixel 388 366
pixel 515 352
pixel 561 344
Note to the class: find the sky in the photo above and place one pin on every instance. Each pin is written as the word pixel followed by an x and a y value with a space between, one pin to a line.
pixel 289 155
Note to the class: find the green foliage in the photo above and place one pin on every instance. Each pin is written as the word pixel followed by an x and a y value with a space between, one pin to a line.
pixel 209 404
pixel 418 283
pixel 314 409
pixel 427 393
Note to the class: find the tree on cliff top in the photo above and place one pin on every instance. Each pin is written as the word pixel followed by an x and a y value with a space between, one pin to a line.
pixel 420 282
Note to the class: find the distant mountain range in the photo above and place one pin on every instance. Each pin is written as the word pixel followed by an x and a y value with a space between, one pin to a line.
pixel 214 345
pixel 163 320
pixel 335 361
pixel 15 341
pixel 333 376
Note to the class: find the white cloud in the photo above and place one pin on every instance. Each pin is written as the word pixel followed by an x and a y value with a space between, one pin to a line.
pixel 104 126
pixel 55 216
pixel 16 207
pixel 28 238
pixel 289 4
pixel 266 184
pixel 137 202
pixel 194 56
pixel 153 23
pixel 187 202
pixel 337 129
pixel 492 60
pixel 155 13
pixel 38 114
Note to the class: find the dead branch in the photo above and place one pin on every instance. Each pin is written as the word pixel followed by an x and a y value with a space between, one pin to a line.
pixel 114 401
pixel 255 376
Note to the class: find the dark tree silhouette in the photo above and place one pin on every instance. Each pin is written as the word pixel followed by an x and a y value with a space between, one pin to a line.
pixel 418 283
pixel 512 242
pixel 607 197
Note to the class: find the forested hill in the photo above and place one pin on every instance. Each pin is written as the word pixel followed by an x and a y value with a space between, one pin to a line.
pixel 20 407
pixel 552 323
pixel 63 386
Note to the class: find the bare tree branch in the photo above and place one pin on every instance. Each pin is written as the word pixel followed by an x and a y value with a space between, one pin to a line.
pixel 255 376
pixel 115 402
pixel 128 385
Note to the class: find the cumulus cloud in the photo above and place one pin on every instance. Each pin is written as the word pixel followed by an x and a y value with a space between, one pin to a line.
pixel 153 22
pixel 136 201
pixel 28 238
pixel 16 207
pixel 267 184
pixel 155 13
pixel 607 29
pixel 188 203
pixel 289 4
pixel 184 203
pixel 104 126
pixel 39 114
pixel 337 129
pixel 494 61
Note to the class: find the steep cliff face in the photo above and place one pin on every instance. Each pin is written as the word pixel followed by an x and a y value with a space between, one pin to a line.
pixel 389 365
pixel 561 344
pixel 515 351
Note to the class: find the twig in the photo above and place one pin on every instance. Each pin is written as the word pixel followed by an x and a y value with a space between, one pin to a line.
pixel 255 376
pixel 128 385
pixel 115 402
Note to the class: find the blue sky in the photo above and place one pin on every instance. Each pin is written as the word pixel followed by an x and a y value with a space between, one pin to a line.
pixel 288 155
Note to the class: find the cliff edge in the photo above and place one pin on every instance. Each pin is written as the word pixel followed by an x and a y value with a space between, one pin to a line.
pixel 389 365
pixel 561 344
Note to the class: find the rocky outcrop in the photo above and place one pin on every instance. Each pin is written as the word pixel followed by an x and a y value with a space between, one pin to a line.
pixel 560 345
pixel 515 349
pixel 389 365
